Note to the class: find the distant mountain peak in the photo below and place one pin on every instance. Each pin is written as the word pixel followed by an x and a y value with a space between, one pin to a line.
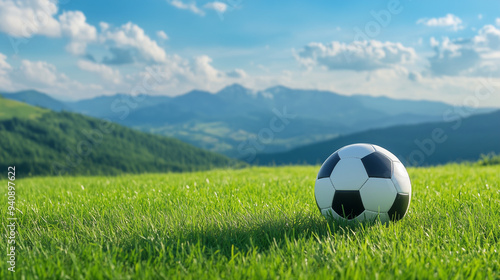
pixel 235 89
pixel 31 91
pixel 196 93
pixel 277 89
pixel 28 92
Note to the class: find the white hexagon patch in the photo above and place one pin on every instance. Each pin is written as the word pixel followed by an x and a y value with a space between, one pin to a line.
pixel 378 194
pixel 349 174
pixel 401 179
pixel 324 191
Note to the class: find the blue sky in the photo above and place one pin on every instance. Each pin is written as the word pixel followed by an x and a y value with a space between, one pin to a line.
pixel 437 50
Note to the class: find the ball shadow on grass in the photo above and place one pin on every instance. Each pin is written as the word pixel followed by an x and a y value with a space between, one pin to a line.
pixel 212 239
pixel 260 237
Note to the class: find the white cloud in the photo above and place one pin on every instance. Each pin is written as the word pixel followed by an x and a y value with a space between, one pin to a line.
pixel 131 35
pixel 4 71
pixel 162 35
pixel 3 63
pixel 29 18
pixel 452 58
pixel 183 6
pixel 75 27
pixel 434 42
pixel 478 56
pixel 104 26
pixel 489 37
pixel 39 72
pixel 357 56
pixel 263 68
pixel 43 76
pixel 76 47
pixel 450 20
pixel 237 74
pixel 480 16
pixel 26 18
pixel 179 75
pixel 202 67
pixel 106 72
pixel 497 22
pixel 216 6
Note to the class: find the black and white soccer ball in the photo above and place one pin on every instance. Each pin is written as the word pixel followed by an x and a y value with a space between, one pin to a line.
pixel 363 182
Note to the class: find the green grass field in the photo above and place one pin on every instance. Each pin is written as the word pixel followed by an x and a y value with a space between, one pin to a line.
pixel 259 223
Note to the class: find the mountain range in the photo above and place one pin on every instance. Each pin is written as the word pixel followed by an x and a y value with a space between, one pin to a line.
pixel 458 139
pixel 237 121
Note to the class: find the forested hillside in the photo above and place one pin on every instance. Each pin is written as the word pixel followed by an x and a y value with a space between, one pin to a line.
pixel 42 142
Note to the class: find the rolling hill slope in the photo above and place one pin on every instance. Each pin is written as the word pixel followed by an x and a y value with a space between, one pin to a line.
pixel 421 144
pixel 43 142
pixel 13 109
pixel 36 98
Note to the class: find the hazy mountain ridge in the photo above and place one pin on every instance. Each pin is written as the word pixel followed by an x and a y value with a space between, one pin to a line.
pixel 225 120
pixel 420 144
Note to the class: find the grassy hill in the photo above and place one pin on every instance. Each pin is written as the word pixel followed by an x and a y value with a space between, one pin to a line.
pixel 36 98
pixel 255 223
pixel 13 109
pixel 42 142
pixel 459 140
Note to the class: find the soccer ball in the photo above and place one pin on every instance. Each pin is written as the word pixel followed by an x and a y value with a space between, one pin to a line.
pixel 363 182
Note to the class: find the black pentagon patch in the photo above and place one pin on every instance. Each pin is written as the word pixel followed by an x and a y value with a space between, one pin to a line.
pixel 399 207
pixel 348 204
pixel 377 165
pixel 326 169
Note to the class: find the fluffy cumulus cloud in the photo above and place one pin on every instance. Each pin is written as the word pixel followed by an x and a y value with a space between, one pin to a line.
pixel 357 56
pixel 105 72
pixel 237 73
pixel 42 76
pixel 24 19
pixel 75 27
pixel 104 26
pixel 179 75
pixel 202 67
pixel 29 18
pixel 187 6
pixel 450 21
pixel 162 35
pixel 3 63
pixel 130 35
pixel 488 37
pixel 219 7
pixel 452 57
pixel 4 71
pixel 39 72
pixel 478 56
pixel 126 44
